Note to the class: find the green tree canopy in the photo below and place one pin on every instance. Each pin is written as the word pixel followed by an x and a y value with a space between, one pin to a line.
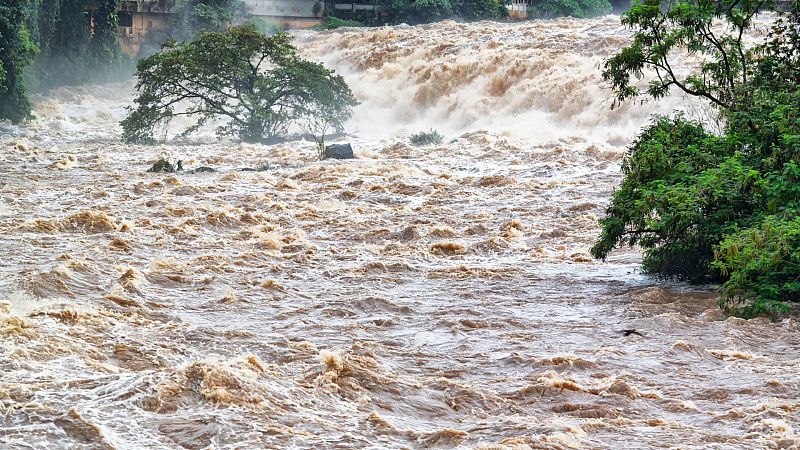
pixel 419 11
pixel 549 9
pixel 481 9
pixel 16 51
pixel 686 26
pixel 416 12
pixel 256 83
pixel 703 205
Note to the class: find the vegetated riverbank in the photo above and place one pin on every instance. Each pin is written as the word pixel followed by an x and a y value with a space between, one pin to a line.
pixel 415 297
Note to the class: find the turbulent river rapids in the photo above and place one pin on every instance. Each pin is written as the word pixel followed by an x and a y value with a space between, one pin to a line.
pixel 415 297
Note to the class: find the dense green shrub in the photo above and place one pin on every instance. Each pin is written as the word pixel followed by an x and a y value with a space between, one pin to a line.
pixel 714 207
pixel 480 9
pixel 548 9
pixel 331 22
pixel 418 11
pixel 661 204
pixel 763 264
pixel 426 138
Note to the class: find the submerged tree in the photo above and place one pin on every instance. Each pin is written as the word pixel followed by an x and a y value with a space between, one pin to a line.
pixel 256 83
pixel 707 206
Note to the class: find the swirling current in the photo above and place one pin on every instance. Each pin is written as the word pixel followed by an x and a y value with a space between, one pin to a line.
pixel 415 297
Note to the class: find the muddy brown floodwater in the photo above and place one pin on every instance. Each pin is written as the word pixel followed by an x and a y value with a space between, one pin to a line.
pixel 416 297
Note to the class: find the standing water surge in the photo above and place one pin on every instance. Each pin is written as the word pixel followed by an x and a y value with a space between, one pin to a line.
pixel 416 297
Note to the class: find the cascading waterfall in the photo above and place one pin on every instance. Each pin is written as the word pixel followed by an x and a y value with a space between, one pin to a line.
pixel 416 297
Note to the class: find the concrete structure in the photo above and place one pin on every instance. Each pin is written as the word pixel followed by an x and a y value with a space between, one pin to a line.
pixel 356 6
pixel 141 19
pixel 518 9
pixel 287 13
pixel 147 22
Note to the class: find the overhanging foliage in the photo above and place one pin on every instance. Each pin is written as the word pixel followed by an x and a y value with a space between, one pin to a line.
pixel 709 206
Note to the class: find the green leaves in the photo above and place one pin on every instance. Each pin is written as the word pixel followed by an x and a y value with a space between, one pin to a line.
pixel 662 204
pixel 686 26
pixel 419 11
pixel 425 11
pixel 256 85
pixel 16 52
pixel 704 206
pixel 763 266
pixel 480 9
pixel 548 9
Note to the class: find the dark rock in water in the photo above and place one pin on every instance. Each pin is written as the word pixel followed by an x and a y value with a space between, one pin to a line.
pixel 203 169
pixel 339 151
pixel 247 169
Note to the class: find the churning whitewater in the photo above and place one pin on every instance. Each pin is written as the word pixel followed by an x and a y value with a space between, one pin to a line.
pixel 416 297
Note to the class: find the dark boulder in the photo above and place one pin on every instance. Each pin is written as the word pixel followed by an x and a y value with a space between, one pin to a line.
pixel 203 169
pixel 339 151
